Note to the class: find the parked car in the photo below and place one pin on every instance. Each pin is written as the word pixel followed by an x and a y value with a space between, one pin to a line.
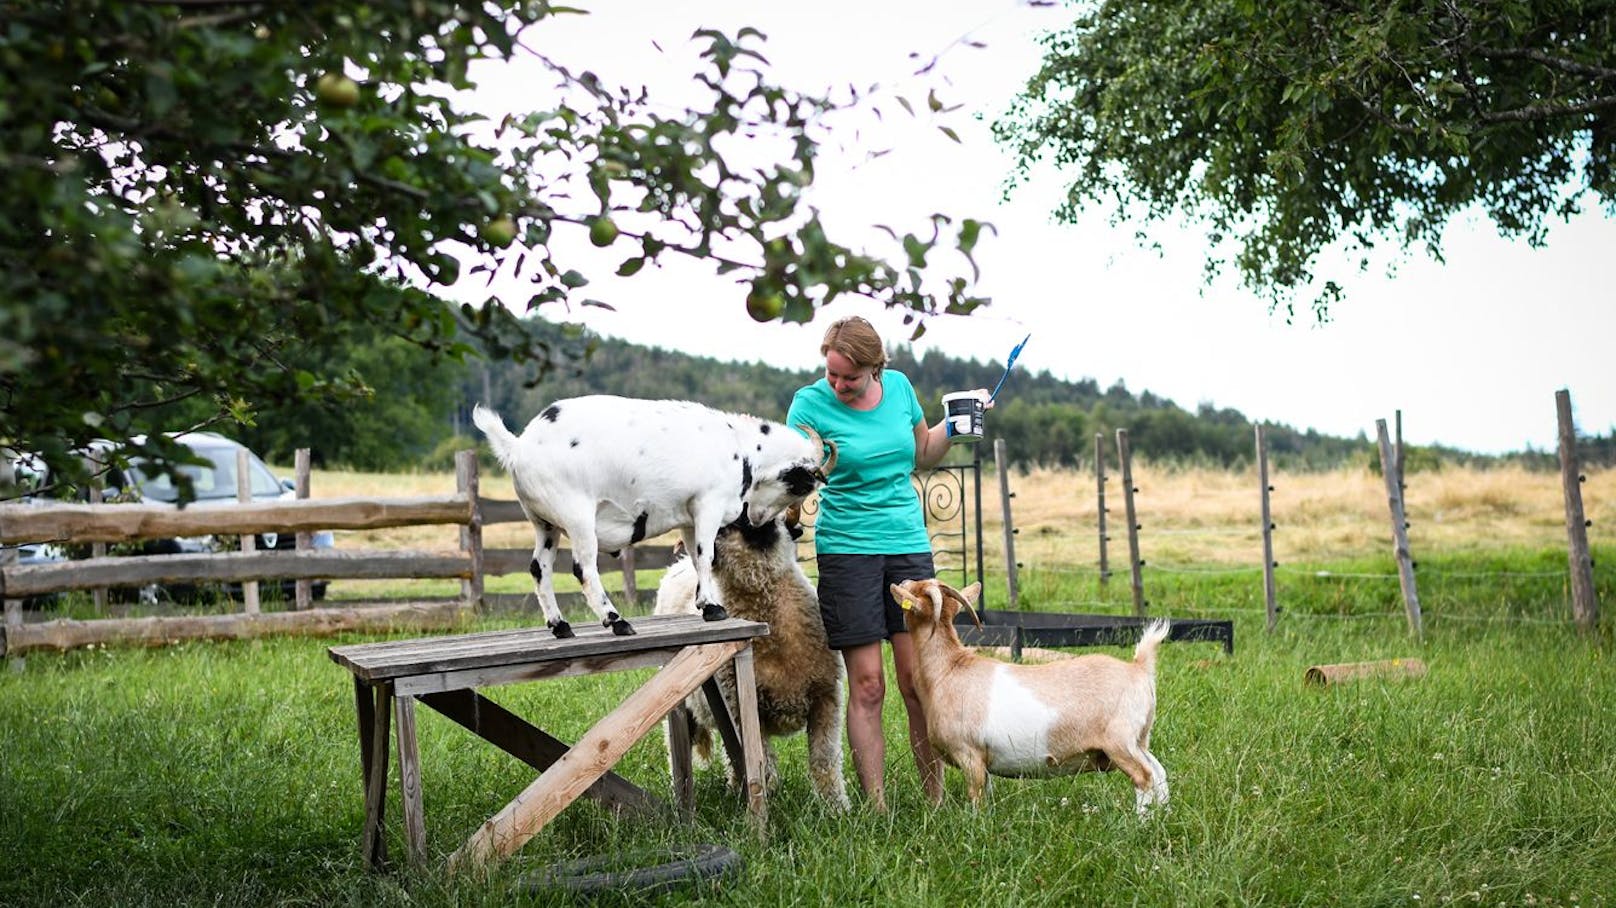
pixel 214 485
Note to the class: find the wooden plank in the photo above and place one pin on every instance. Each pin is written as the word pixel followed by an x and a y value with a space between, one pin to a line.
pixel 398 658
pixel 454 654
pixel 409 779
pixel 66 634
pixel 499 562
pixel 492 676
pixel 531 744
pixel 596 752
pixel 221 567
pixel 130 522
pixel 497 510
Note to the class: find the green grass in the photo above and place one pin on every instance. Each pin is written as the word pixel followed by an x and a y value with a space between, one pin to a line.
pixel 209 773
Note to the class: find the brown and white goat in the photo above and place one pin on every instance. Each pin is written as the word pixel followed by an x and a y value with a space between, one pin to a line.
pixel 1087 713
pixel 799 678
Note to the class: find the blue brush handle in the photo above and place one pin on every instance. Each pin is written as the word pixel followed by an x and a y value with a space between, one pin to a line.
pixel 1008 365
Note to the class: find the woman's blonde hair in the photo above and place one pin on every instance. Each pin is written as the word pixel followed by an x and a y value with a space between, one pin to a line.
pixel 855 338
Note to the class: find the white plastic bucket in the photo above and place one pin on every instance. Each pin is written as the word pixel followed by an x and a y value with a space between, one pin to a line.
pixel 963 412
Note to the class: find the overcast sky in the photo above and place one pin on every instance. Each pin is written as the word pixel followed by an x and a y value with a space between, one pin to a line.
pixel 1471 351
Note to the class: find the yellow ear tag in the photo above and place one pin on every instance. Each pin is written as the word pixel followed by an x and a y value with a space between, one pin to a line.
pixel 907 604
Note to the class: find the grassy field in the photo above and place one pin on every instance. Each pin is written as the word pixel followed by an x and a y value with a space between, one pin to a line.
pixel 229 773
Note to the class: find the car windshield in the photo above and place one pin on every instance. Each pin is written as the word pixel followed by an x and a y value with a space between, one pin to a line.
pixel 214 481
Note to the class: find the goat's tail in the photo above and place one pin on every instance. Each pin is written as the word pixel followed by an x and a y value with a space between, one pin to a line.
pixel 1145 653
pixel 499 437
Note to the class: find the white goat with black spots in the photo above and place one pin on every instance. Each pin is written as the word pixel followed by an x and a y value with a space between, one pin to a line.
pixel 612 471
pixel 799 677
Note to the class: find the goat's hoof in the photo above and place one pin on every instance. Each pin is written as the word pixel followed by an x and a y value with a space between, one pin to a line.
pixel 562 630
pixel 713 612
pixel 622 628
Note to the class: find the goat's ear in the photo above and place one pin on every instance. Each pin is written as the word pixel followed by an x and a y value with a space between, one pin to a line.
pixel 972 594
pixel 905 599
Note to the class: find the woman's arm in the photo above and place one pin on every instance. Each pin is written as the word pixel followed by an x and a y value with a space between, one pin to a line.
pixel 931 444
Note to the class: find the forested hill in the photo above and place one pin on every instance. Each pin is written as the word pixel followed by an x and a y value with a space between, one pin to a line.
pixel 417 408
pixel 1043 419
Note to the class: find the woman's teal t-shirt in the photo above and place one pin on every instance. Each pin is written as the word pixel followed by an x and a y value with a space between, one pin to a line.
pixel 868 507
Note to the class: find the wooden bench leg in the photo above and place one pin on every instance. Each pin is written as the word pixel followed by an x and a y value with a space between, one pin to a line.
pixel 373 748
pixel 684 788
pixel 751 739
pixel 409 780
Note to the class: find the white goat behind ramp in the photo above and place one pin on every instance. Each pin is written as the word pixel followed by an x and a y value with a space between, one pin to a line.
pixel 609 472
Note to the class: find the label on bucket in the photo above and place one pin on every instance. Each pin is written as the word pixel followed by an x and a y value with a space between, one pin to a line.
pixel 963 412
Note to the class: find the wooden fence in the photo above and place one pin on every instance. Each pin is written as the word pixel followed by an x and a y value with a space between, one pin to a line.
pixel 1584 602
pixel 117 523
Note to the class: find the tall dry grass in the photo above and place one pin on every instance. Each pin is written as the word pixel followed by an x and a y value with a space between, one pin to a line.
pixel 1213 517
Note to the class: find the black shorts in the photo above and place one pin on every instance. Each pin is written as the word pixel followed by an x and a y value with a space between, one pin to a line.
pixel 854 599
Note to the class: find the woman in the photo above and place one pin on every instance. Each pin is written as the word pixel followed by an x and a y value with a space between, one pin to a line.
pixel 871 532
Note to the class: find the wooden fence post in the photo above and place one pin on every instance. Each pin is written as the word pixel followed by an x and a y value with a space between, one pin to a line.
pixel 305 539
pixel 1401 459
pixel 13 611
pixel 1125 463
pixel 249 541
pixel 1270 596
pixel 1405 563
pixel 1002 462
pixel 98 549
pixel 1099 492
pixel 1584 600
pixel 471 535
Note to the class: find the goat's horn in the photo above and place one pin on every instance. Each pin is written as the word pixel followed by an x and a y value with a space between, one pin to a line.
pixel 826 464
pixel 951 593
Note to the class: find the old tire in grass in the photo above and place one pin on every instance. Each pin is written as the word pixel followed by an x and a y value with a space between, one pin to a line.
pixel 661 869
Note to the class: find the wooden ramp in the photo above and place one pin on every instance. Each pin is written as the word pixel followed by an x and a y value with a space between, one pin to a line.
pixel 446 673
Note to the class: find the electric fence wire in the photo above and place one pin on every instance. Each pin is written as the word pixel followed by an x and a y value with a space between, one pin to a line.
pixel 1428 615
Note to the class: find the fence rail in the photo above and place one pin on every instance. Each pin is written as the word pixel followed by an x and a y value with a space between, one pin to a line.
pixel 123 523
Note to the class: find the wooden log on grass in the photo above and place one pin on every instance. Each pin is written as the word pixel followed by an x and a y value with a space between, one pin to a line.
pixel 1342 672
